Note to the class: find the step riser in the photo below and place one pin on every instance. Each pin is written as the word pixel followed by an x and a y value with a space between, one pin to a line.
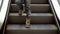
pixel 31 31
pixel 34 19
pixel 39 1
pixel 36 1
pixel 45 8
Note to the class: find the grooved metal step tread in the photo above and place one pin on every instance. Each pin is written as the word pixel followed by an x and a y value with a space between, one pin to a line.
pixel 34 29
pixel 36 18
pixel 35 8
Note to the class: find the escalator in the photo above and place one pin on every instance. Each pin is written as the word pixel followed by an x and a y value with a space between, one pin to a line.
pixel 44 19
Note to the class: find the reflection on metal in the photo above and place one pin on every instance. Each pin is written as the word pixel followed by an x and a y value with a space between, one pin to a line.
pixel 56 7
pixel 56 11
pixel 3 12
pixel 4 15
pixel 59 1
pixel 1 1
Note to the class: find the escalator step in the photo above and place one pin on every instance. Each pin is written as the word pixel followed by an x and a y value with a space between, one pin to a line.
pixel 37 18
pixel 35 8
pixel 34 29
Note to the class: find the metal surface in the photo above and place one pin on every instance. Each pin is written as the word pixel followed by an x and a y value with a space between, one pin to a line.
pixel 57 8
pixel 3 12
pixel 37 18
pixel 34 29
pixel 36 1
pixel 56 11
pixel 1 2
pixel 3 27
pixel 59 1
pixel 35 8
pixel 42 19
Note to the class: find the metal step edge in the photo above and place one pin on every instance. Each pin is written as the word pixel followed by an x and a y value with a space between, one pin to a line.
pixel 36 4
pixel 32 14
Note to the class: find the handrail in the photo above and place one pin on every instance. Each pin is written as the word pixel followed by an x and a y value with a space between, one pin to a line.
pixel 56 11
pixel 4 15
